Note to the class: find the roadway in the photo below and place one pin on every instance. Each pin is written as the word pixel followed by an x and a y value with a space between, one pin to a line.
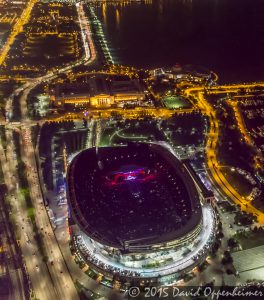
pixel 17 28
pixel 242 127
pixel 56 265
pixel 88 44
pixel 211 145
pixel 41 281
pixel 49 280
pixel 12 260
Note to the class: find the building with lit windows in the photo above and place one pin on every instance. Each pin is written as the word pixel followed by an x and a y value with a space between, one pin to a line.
pixel 136 213
pixel 98 92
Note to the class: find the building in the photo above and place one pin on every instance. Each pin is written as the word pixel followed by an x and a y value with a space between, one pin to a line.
pixel 178 73
pixel 206 196
pixel 136 213
pixel 99 92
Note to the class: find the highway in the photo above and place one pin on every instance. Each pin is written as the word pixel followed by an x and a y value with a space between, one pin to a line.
pixel 88 44
pixel 12 262
pixel 57 267
pixel 49 280
pixel 41 281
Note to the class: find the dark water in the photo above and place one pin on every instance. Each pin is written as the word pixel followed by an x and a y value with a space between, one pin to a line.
pixel 226 36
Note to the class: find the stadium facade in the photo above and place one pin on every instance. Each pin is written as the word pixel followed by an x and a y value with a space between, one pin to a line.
pixel 137 213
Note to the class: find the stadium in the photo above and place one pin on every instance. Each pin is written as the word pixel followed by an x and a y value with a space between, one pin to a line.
pixel 137 213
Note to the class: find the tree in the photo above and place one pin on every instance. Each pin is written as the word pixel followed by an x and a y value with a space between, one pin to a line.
pixel 220 235
pixel 220 226
pixel 227 259
pixel 232 243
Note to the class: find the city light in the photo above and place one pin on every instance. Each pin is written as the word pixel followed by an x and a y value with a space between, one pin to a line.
pixel 131 148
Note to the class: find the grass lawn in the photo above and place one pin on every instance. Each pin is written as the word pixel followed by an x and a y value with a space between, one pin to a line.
pixel 31 212
pixel 105 138
pixel 175 102
pixel 123 141
pixel 238 181
pixel 259 204
pixel 214 98
pixel 254 239
pixel 182 139
pixel 143 132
